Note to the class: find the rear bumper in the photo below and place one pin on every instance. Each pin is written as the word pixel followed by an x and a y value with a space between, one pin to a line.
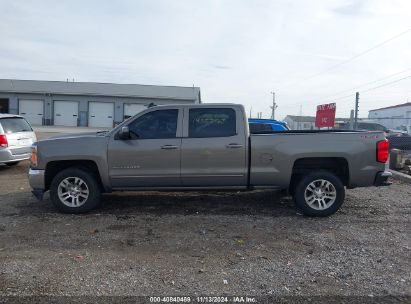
pixel 7 157
pixel 381 179
pixel 37 182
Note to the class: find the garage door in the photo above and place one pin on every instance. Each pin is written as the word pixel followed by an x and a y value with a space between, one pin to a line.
pixel 101 114
pixel 32 110
pixel 65 113
pixel 131 109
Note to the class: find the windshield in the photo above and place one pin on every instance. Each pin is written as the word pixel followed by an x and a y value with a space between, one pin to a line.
pixel 14 125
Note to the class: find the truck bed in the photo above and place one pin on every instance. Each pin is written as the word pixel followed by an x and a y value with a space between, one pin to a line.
pixel 274 153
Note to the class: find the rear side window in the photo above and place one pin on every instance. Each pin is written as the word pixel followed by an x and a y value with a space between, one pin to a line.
pixel 371 127
pixel 155 124
pixel 14 125
pixel 211 122
pixel 259 127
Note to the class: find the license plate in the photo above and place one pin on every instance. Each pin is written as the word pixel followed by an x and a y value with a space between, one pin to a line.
pixel 25 142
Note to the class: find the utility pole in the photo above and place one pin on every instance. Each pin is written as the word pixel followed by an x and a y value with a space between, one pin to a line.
pixel 357 99
pixel 273 107
pixel 351 122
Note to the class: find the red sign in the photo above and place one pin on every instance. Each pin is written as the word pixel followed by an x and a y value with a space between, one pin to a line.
pixel 325 115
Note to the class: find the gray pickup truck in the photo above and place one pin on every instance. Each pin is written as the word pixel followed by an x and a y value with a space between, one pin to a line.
pixel 206 147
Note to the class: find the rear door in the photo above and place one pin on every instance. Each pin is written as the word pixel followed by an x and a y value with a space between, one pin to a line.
pixel 152 156
pixel 213 147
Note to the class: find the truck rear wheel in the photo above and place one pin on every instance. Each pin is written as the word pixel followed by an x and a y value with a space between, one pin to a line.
pixel 319 194
pixel 75 191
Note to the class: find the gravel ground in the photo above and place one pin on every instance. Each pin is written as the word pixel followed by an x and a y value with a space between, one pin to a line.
pixel 213 243
pixel 204 243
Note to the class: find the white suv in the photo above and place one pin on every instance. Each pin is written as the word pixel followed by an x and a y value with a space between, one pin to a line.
pixel 16 138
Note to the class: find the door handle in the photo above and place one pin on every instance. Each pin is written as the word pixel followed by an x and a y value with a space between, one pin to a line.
pixel 234 146
pixel 169 147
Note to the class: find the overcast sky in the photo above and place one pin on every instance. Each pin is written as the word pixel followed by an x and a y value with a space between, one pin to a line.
pixel 234 50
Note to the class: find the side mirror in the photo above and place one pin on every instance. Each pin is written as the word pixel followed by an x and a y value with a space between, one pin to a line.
pixel 124 133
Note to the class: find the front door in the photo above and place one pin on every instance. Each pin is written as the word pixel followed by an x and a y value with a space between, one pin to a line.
pixel 151 157
pixel 213 148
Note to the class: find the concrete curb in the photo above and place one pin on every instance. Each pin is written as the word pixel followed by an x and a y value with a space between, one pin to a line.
pixel 401 176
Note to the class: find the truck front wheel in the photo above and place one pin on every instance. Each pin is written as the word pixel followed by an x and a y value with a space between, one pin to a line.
pixel 74 190
pixel 319 193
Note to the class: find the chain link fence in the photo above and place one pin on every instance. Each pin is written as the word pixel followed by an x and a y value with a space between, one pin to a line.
pixel 400 142
pixel 400 153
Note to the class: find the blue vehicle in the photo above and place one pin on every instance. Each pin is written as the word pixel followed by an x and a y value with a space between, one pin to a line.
pixel 259 125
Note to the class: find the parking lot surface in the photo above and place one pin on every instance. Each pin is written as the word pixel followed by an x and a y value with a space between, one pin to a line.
pixel 212 243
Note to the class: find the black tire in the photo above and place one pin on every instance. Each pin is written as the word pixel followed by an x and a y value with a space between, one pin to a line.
pixel 305 181
pixel 91 182
pixel 12 164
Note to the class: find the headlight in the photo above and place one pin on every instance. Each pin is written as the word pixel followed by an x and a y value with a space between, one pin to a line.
pixel 33 158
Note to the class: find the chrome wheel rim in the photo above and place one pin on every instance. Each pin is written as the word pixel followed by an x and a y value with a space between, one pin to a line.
pixel 73 192
pixel 320 194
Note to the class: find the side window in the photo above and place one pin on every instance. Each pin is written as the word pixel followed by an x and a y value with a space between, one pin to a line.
pixel 259 127
pixel 211 122
pixel 155 124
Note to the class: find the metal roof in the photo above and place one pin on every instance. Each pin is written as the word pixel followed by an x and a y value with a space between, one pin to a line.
pixel 396 106
pixel 99 89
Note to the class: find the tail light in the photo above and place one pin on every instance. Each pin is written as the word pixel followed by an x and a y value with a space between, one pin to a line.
pixel 382 151
pixel 3 141
pixel 33 157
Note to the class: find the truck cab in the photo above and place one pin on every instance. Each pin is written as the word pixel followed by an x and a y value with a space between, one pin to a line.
pixel 180 146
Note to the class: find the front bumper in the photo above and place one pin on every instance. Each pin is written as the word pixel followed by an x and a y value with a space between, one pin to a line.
pixel 381 179
pixel 37 182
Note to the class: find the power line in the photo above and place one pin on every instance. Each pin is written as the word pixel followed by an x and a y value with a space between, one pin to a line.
pixel 351 58
pixel 352 94
pixel 386 84
pixel 367 83
pixel 380 86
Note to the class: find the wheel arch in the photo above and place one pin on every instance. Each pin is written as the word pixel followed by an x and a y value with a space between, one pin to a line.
pixel 336 165
pixel 54 167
